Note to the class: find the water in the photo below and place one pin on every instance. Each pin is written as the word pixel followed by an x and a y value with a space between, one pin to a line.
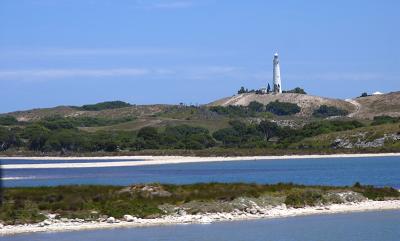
pixel 379 171
pixel 368 226
pixel 48 161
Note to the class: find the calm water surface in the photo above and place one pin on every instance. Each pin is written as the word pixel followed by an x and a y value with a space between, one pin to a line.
pixel 368 226
pixel 380 171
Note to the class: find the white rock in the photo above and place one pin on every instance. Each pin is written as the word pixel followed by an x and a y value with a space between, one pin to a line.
pixel 111 220
pixel 205 220
pixel 1 225
pixel 47 222
pixel 182 212
pixel 52 216
pixel 129 218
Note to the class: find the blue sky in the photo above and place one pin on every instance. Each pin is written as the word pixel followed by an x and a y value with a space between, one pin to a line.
pixel 73 52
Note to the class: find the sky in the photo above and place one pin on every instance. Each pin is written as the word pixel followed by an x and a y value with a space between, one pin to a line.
pixel 74 52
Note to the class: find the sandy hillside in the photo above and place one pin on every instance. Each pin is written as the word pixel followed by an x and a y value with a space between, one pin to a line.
pixel 308 103
pixel 370 106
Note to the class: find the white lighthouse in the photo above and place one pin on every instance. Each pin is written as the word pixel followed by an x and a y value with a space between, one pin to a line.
pixel 277 75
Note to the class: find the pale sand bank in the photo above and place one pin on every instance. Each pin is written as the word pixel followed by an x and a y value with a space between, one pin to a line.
pixel 160 160
pixel 54 225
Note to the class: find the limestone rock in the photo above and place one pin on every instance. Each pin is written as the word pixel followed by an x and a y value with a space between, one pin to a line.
pixel 129 218
pixel 47 222
pixel 111 220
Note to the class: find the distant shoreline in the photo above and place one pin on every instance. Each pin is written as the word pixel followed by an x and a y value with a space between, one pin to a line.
pixel 276 212
pixel 160 160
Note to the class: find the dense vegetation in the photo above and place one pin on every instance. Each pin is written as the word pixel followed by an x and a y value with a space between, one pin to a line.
pixel 174 137
pixel 8 120
pixel 268 90
pixel 105 105
pixel 379 120
pixel 282 108
pixel 326 111
pixel 233 111
pixel 27 205
pixel 58 122
pixel 256 109
pixel 64 135
pixel 296 90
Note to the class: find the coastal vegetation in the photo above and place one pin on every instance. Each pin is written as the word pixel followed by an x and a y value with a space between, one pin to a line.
pixel 68 135
pixel 326 111
pixel 287 124
pixel 64 135
pixel 283 108
pixel 384 119
pixel 32 204
pixel 104 105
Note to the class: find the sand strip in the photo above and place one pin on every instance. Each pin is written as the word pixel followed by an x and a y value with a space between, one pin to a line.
pixel 160 160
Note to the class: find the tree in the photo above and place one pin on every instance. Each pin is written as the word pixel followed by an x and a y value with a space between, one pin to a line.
pixel 65 140
pixel 37 136
pixel 256 106
pixel 7 139
pixel 296 90
pixel 105 105
pixel 241 90
pixel 148 138
pixel 364 94
pixel 8 120
pixel 228 136
pixel 268 89
pixel 268 129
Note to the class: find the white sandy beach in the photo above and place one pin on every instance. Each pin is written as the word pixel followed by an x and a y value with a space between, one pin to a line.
pixel 160 160
pixel 55 225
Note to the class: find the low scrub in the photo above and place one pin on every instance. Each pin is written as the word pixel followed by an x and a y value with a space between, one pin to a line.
pixel 27 205
pixel 283 108
pixel 326 111
pixel 308 197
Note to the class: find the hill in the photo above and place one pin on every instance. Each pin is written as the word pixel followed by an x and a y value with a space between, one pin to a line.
pixel 163 115
pixel 231 126
pixel 376 105
pixel 307 103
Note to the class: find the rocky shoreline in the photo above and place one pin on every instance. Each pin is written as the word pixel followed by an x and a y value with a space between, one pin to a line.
pixel 54 224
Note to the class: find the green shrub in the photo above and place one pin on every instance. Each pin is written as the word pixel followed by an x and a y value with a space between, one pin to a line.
pixel 256 106
pixel 232 110
pixel 376 193
pixel 296 90
pixel 7 139
pixel 302 198
pixel 283 108
pixel 8 120
pixel 384 119
pixel 326 111
pixel 105 105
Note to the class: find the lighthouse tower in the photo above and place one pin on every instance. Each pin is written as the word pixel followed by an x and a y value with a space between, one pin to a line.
pixel 277 75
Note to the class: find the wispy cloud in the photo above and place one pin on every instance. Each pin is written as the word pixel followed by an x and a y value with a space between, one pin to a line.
pixel 65 73
pixel 142 51
pixel 191 72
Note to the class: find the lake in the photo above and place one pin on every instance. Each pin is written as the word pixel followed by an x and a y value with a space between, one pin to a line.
pixel 379 171
pixel 367 226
